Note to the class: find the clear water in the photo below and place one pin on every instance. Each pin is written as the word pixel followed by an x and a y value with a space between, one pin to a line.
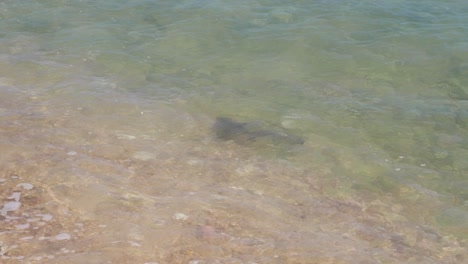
pixel 108 154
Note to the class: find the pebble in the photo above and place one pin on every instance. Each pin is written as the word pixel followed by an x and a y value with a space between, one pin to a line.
pixel 134 244
pixel 63 236
pixel 143 155
pixel 10 206
pixel 180 216
pixel 25 185
pixel 16 196
pixel 125 136
pixel 45 217
pixel 288 123
pixel 22 226
pixel 194 162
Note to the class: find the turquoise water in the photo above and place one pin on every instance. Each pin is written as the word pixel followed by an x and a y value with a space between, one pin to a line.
pixel 111 92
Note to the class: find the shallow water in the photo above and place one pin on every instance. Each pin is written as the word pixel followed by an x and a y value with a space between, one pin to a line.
pixel 108 152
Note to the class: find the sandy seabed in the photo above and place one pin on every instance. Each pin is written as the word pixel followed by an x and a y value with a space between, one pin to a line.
pixel 79 188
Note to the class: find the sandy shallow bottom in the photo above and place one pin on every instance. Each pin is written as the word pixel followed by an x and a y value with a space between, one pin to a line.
pixel 115 182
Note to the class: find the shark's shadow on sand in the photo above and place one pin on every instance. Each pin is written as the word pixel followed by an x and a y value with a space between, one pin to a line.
pixel 253 133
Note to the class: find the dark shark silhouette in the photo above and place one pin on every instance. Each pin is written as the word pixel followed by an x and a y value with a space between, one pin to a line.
pixel 244 133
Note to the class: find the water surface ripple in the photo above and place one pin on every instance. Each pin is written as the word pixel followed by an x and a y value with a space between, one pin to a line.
pixel 346 139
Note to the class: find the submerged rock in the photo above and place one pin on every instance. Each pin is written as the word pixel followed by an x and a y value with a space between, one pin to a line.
pixel 247 133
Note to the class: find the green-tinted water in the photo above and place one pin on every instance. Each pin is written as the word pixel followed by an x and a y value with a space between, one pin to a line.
pixel 107 109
